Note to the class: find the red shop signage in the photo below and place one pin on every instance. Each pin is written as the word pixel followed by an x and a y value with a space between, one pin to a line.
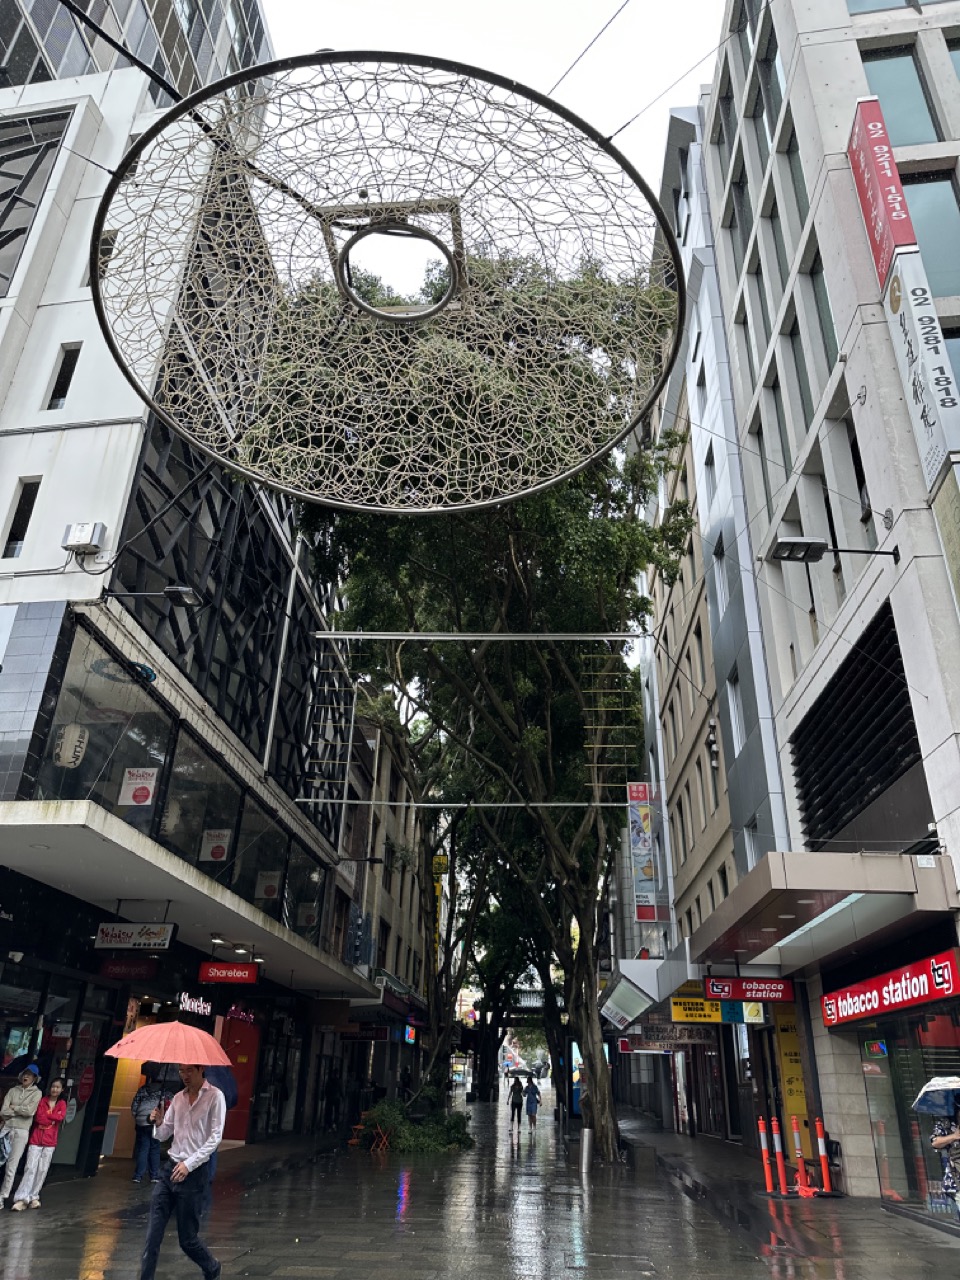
pixel 772 990
pixel 128 970
pixel 227 971
pixel 918 983
pixel 882 202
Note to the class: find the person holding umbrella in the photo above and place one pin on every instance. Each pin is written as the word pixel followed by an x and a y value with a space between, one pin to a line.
pixel 938 1097
pixel 194 1120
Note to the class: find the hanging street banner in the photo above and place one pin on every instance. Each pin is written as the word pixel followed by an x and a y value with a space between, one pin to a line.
pixel 641 850
pixel 770 989
pixel 929 387
pixel 934 978
pixel 879 190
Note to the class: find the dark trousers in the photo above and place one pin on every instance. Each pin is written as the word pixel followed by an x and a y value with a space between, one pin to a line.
pixel 185 1199
pixel 146 1152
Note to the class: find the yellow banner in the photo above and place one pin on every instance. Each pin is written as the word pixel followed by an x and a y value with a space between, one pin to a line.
pixel 690 1010
pixel 792 1088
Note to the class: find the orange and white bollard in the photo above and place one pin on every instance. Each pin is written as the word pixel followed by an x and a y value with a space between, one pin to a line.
pixel 778 1152
pixel 824 1162
pixel 802 1180
pixel 765 1152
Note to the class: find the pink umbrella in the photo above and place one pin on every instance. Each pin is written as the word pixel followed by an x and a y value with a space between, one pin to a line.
pixel 171 1042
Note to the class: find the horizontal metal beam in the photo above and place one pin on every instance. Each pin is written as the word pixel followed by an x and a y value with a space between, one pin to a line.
pixel 471 804
pixel 476 636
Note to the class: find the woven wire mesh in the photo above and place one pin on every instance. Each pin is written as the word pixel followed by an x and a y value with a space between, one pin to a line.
pixel 229 303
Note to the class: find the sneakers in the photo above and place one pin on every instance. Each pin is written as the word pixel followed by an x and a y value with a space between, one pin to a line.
pixel 19 1206
pixel 137 1180
pixel 3 1201
pixel 154 1179
pixel 34 1203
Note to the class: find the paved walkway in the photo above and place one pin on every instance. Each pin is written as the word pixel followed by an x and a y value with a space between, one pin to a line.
pixel 507 1210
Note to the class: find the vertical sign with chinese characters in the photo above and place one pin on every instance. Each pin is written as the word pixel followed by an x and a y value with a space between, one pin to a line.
pixel 882 202
pixel 929 387
pixel 641 850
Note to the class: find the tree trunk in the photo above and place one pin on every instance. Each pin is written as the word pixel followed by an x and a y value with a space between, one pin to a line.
pixel 585 1018
pixel 489 1039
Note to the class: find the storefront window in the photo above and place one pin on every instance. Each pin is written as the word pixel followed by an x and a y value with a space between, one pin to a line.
pixel 260 861
pixel 202 805
pixel 109 738
pixel 898 1056
pixel 303 899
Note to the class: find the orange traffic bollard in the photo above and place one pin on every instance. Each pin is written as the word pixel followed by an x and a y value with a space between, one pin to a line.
pixel 765 1152
pixel 798 1150
pixel 824 1162
pixel 778 1152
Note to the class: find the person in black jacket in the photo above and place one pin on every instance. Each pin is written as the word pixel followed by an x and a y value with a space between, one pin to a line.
pixel 146 1148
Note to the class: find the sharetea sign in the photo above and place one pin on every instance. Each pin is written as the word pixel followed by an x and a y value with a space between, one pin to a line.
pixel 228 971
pixel 134 937
pixel 879 190
pixel 934 978
pixel 194 1004
pixel 762 989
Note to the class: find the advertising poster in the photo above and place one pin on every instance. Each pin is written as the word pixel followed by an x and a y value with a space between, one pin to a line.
pixel 139 787
pixel 268 885
pixel 641 850
pixel 214 844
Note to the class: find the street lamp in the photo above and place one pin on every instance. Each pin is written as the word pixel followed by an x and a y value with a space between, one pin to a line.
pixel 812 551
pixel 176 594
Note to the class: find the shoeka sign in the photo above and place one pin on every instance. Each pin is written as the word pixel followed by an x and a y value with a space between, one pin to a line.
pixel 932 979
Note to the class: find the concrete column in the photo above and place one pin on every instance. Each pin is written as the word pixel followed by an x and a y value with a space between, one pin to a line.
pixel 844 1096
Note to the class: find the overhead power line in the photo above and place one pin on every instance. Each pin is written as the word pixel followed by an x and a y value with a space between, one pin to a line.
pixel 583 52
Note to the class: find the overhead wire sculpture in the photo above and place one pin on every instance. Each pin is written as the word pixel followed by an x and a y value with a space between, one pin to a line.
pixel 226 276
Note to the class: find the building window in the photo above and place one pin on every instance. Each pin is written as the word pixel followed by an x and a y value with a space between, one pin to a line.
pixel 751 841
pixel 797 181
pixel 701 795
pixel 776 402
pixel 832 531
pixel 761 130
pixel 720 576
pixel 672 722
pixel 709 475
pixel 712 895
pixel 28 150
pixel 866 508
pixel 698 646
pixel 771 81
pixel 713 772
pixel 682 829
pixel 723 882
pixel 759 297
pixel 779 245
pixel 383 944
pixel 735 703
pixel 22 511
pixel 764 470
pixel 894 76
pixel 800 367
pixel 935 213
pixel 740 221
pixel 66 367
pixel 954 47
pixel 108 242
pixel 828 333
pixel 689 920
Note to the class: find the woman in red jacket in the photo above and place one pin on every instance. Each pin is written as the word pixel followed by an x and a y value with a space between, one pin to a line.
pixel 51 1113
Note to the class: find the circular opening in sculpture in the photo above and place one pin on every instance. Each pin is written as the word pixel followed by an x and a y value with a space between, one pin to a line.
pixel 392 254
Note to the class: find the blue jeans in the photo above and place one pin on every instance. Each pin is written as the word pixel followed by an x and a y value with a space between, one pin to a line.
pixel 146 1152
pixel 185 1200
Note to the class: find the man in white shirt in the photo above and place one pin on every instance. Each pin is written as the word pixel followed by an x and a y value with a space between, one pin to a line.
pixel 195 1119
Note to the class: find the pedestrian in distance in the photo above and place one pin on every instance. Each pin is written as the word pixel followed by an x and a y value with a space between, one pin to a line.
pixel 532 1095
pixel 515 1099
pixel 194 1120
pixel 146 1145
pixel 331 1102
pixel 19 1107
pixel 44 1133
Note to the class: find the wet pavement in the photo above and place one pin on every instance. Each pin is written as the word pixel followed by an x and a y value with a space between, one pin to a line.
pixel 514 1210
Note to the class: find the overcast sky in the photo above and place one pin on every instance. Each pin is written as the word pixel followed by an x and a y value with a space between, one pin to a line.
pixel 648 46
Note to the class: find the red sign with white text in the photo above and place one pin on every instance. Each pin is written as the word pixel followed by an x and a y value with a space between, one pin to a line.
pixel 882 202
pixel 228 971
pixel 935 978
pixel 772 990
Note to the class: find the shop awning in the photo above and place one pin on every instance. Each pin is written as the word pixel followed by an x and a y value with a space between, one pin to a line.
pixel 83 850
pixel 796 908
